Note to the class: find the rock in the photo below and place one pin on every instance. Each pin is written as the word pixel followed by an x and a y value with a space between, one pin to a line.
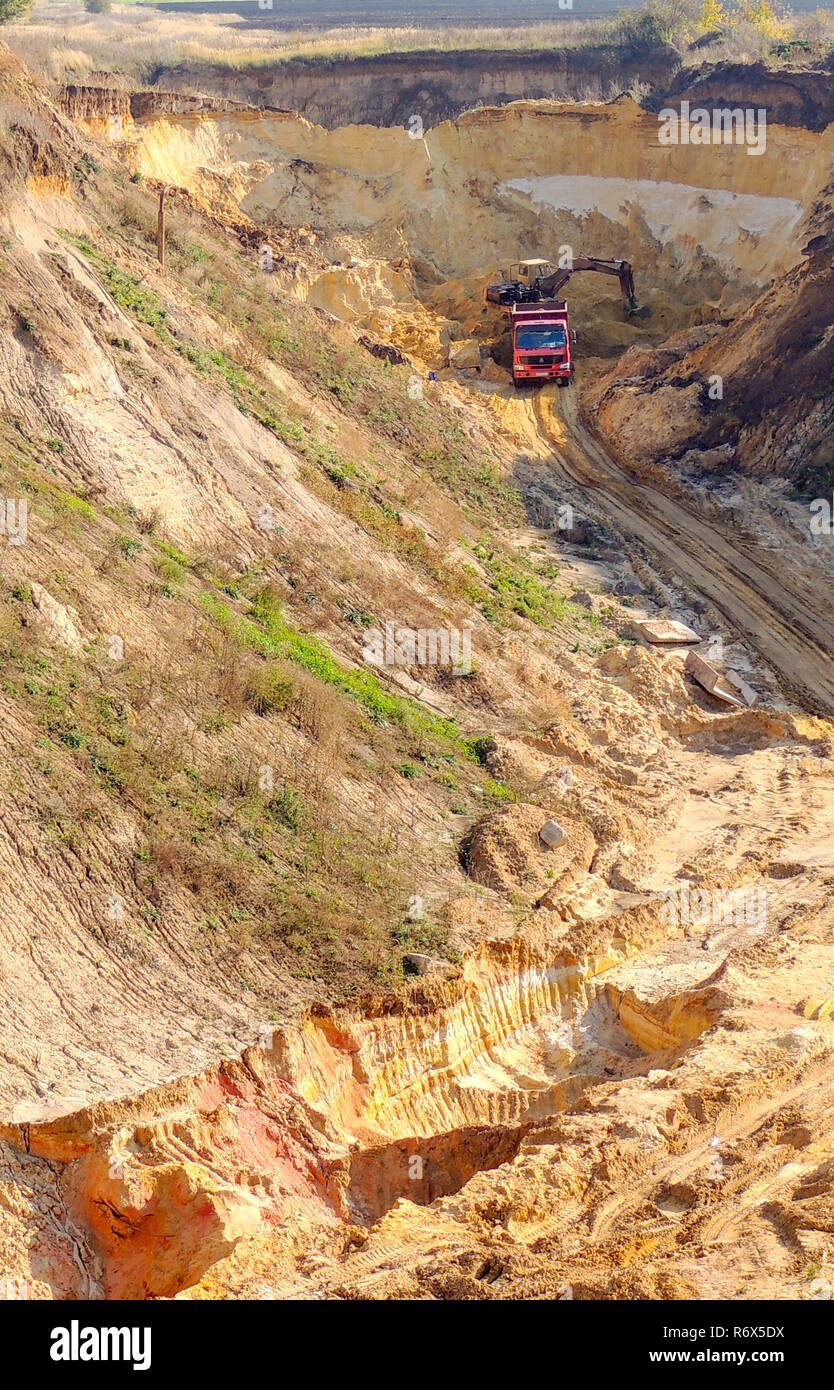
pixel 387 351
pixel 598 604
pixel 627 586
pixel 663 631
pixel 417 963
pixel 707 460
pixel 60 620
pixel 491 371
pixel 729 686
pixel 552 834
pixel 817 1008
pixel 465 354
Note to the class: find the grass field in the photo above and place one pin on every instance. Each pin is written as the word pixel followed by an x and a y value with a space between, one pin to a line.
pixel 321 14
pixel 60 41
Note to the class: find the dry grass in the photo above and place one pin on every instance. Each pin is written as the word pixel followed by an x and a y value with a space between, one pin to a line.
pixel 230 670
pixel 60 41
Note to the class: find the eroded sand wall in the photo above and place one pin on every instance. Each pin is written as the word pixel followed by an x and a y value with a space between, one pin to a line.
pixel 496 182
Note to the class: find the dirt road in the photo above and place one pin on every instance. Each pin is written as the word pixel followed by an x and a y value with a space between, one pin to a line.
pixel 767 595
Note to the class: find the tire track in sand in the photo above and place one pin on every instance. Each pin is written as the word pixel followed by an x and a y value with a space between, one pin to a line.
pixel 767 598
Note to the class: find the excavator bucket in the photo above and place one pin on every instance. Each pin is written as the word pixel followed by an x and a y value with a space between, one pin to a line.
pixel 626 275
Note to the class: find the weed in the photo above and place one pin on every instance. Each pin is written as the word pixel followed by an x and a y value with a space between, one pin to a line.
pixel 128 546
pixel 288 807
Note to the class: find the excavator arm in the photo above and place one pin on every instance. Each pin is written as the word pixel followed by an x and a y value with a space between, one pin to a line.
pixel 550 285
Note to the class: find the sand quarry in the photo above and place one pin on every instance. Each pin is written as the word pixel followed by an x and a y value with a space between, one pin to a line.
pixel 620 1083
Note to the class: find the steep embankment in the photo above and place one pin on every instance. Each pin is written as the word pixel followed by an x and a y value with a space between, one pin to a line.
pixel 217 821
pixel 484 187
pixel 390 89
pixel 790 96
pixel 775 363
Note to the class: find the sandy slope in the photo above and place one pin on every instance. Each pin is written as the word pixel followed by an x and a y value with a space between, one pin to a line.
pixel 604 1099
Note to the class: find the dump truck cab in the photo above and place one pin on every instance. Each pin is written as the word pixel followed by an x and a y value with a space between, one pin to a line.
pixel 542 342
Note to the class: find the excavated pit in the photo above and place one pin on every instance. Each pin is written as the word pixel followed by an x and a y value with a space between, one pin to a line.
pixel 339 1119
pixel 423 1170
pixel 429 220
pixel 359 1113
pixel 617 1036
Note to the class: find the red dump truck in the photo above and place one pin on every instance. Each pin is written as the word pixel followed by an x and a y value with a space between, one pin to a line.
pixel 542 341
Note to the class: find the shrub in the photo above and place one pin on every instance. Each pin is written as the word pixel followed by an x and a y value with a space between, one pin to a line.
pixel 270 690
pixel 13 9
pixel 288 807
pixel 128 546
pixel 658 22
pixel 479 748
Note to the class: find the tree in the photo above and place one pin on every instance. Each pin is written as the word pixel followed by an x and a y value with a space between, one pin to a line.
pixel 659 22
pixel 712 15
pixel 764 17
pixel 13 9
pixel 98 6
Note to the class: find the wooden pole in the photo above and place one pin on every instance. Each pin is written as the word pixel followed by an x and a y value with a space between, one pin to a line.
pixel 160 230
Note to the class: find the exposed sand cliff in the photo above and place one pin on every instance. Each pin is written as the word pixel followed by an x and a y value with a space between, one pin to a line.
pixel 531 174
pixel 619 1079
pixel 388 89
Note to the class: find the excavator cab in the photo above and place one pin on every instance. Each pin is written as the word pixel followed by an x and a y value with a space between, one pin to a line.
pixel 530 281
pixel 528 272
pixel 518 283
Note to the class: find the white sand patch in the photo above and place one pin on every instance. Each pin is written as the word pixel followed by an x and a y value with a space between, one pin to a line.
pixel 715 218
